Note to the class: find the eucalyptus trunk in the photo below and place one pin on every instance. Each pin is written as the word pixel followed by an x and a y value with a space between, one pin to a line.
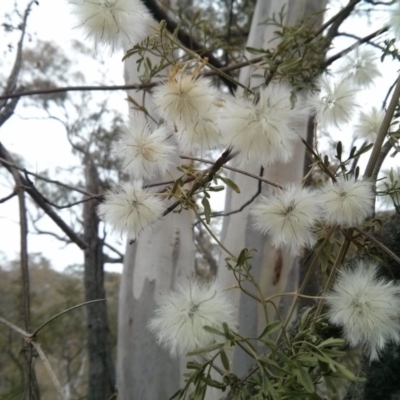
pixel 152 266
pixel 276 270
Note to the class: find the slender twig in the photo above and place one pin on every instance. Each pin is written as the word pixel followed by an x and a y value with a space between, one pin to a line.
pixel 220 244
pixel 45 179
pixel 38 198
pixel 379 244
pixel 15 328
pixel 49 370
pixel 358 38
pixel 376 150
pixel 365 39
pixel 10 196
pixel 259 178
pixel 339 259
pixel 337 16
pixel 34 334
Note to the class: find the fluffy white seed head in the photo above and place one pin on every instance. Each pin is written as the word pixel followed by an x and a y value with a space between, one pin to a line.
pixel 347 203
pixel 131 209
pixel 183 98
pixel 366 306
pixel 182 314
pixel 144 153
pixel 369 124
pixel 263 131
pixel 360 67
pixel 335 103
pixel 113 22
pixel 394 20
pixel 202 134
pixel 289 217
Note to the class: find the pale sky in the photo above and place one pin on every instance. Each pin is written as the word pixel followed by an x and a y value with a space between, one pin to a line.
pixel 43 144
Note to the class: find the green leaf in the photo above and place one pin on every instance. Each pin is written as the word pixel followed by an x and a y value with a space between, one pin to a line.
pixel 224 360
pixel 177 183
pixel 273 327
pixel 207 209
pixel 304 379
pixel 232 185
pixel 206 349
pixel 332 342
pixel 213 330
pixel 347 374
pixel 219 188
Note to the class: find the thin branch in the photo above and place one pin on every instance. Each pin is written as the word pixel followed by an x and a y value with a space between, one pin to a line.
pixel 112 248
pixel 217 165
pixel 10 196
pixel 244 205
pixel 338 19
pixel 259 178
pixel 358 38
pixel 376 150
pixel 186 39
pixel 50 371
pixel 8 109
pixel 38 198
pixel 34 334
pixel 365 39
pixel 15 328
pixel 45 179
pixel 379 244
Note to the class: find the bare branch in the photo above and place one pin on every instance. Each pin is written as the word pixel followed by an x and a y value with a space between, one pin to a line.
pixel 365 39
pixel 50 371
pixel 35 333
pixel 45 179
pixel 260 178
pixel 38 198
pixel 10 196
pixel 8 109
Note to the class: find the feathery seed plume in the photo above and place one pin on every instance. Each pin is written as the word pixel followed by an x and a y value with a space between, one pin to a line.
pixel 366 307
pixel 360 66
pixel 263 131
pixel 181 316
pixel 289 217
pixel 369 124
pixel 131 208
pixel 113 22
pixel 183 98
pixel 335 103
pixel 346 203
pixel 144 153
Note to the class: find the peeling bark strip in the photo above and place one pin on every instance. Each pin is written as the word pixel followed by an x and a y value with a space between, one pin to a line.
pixel 278 267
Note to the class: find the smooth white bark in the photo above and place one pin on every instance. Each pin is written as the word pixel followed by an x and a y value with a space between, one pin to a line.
pixel 152 266
pixel 275 270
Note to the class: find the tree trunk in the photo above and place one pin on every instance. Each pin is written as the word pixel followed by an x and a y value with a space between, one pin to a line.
pixel 152 265
pixel 101 367
pixel 275 270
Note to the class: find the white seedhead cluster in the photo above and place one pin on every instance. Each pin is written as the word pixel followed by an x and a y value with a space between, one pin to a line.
pixel 367 307
pixel 113 22
pixel 181 316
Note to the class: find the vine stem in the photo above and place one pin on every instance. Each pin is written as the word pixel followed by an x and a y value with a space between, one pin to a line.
pixel 313 264
pixel 214 237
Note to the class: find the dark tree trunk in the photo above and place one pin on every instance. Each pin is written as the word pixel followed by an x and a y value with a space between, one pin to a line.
pixel 101 368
